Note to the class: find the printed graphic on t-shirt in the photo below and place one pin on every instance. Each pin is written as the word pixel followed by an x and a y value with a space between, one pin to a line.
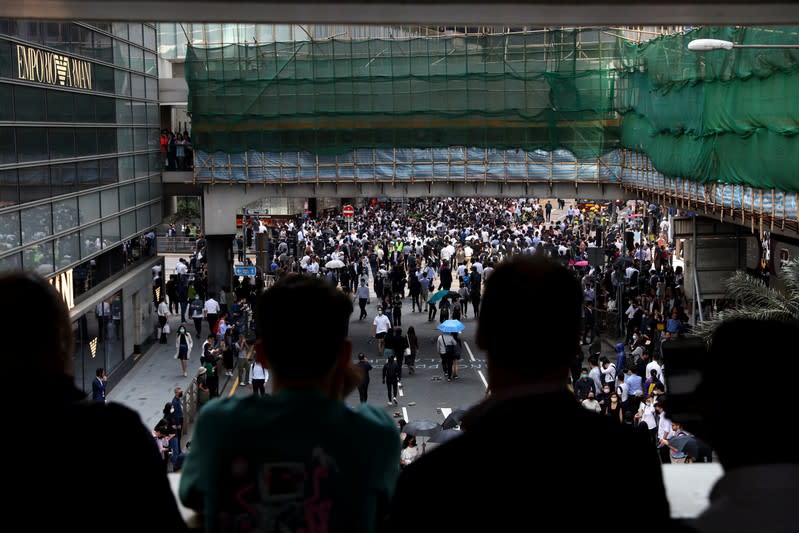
pixel 280 496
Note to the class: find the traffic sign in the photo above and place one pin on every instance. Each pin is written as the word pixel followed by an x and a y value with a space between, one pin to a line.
pixel 348 211
pixel 244 270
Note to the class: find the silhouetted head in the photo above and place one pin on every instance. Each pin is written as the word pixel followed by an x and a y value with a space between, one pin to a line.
pixel 280 325
pixel 35 311
pixel 503 328
pixel 733 344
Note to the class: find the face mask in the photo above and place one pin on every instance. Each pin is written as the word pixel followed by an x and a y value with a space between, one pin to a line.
pixel 584 376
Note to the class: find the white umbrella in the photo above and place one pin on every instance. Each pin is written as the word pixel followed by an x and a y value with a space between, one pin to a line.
pixel 334 263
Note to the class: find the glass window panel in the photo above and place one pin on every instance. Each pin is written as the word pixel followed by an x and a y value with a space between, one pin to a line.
pixel 150 63
pixel 30 103
pixel 86 141
pixel 9 231
pixel 125 139
pixel 90 240
pixel 149 38
pixel 6 92
pixel 54 34
pixel 89 207
pixel 142 191
pixel 109 201
pixel 136 58
pixel 37 223
pixel 137 85
pixel 34 183
pixel 108 171
pixel 65 214
pixel 104 78
pixel 155 162
pixel 139 112
pixel 153 115
pixel 142 218
pixel 122 82
pixel 127 197
pixel 135 33
pixel 84 108
pixel 38 258
pixel 6 60
pixel 103 48
pixel 9 189
pixel 155 187
pixel 120 29
pixel 82 45
pixel 64 178
pixel 32 144
pixel 88 174
pixel 106 141
pixel 152 88
pixel 60 106
pixel 106 110
pixel 62 142
pixel 8 147
pixel 103 26
pixel 121 54
pixel 111 231
pixel 125 168
pixel 12 262
pixel 67 250
pixel 140 139
pixel 123 111
pixel 156 216
pixel 141 166
pixel 128 223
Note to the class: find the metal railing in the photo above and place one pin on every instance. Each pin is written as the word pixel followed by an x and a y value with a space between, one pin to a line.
pixel 176 244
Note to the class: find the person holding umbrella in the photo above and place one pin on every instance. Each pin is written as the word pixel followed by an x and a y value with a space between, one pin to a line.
pixel 528 381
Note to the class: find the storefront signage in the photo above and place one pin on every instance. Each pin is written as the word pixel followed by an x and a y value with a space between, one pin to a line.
pixel 42 66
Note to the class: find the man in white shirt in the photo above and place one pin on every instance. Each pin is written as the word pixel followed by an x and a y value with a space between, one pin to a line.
pixel 258 378
pixel 664 432
pixel 380 327
pixel 211 312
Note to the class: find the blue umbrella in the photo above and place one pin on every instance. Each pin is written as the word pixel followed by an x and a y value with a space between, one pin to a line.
pixel 440 295
pixel 451 326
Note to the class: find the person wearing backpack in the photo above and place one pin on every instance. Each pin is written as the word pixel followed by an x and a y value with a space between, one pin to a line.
pixel 447 346
pixel 390 379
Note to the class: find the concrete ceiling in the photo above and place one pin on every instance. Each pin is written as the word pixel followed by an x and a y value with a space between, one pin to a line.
pixel 449 12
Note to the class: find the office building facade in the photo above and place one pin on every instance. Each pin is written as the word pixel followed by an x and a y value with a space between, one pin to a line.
pixel 80 182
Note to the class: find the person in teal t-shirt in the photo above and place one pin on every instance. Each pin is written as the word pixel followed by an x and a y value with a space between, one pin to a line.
pixel 300 459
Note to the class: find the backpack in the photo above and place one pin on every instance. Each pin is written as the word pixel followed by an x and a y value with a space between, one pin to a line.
pixel 196 307
pixel 450 349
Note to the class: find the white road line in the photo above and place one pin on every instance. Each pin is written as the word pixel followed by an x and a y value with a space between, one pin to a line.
pixel 446 411
pixel 401 394
pixel 471 355
pixel 480 372
pixel 405 414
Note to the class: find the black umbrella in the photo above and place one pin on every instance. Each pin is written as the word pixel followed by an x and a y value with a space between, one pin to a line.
pixel 421 428
pixel 691 446
pixel 445 435
pixel 623 261
pixel 454 418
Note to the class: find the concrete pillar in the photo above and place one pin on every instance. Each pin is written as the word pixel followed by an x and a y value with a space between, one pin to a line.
pixel 220 262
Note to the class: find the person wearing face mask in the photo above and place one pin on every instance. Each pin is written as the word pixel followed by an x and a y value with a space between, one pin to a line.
pixel 613 409
pixel 380 327
pixel 590 403
pixel 646 415
pixel 584 385
pixel 183 346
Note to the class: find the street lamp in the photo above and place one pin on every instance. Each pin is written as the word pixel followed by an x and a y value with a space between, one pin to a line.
pixel 704 45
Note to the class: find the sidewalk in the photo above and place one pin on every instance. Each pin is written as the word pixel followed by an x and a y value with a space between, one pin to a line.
pixel 151 383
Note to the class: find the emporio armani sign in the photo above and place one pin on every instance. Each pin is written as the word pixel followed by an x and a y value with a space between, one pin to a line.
pixel 42 66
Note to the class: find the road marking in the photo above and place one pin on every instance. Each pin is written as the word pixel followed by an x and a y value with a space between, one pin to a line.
pixel 446 411
pixel 401 394
pixel 471 355
pixel 480 372
pixel 405 414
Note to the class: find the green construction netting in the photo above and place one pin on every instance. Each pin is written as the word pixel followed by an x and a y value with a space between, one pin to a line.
pixel 724 115
pixel 547 90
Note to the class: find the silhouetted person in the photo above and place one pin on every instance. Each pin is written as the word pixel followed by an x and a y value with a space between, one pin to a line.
pixel 760 487
pixel 537 479
pixel 97 465
pixel 300 459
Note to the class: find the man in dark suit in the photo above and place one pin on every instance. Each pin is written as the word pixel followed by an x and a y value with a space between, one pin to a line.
pixel 524 482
